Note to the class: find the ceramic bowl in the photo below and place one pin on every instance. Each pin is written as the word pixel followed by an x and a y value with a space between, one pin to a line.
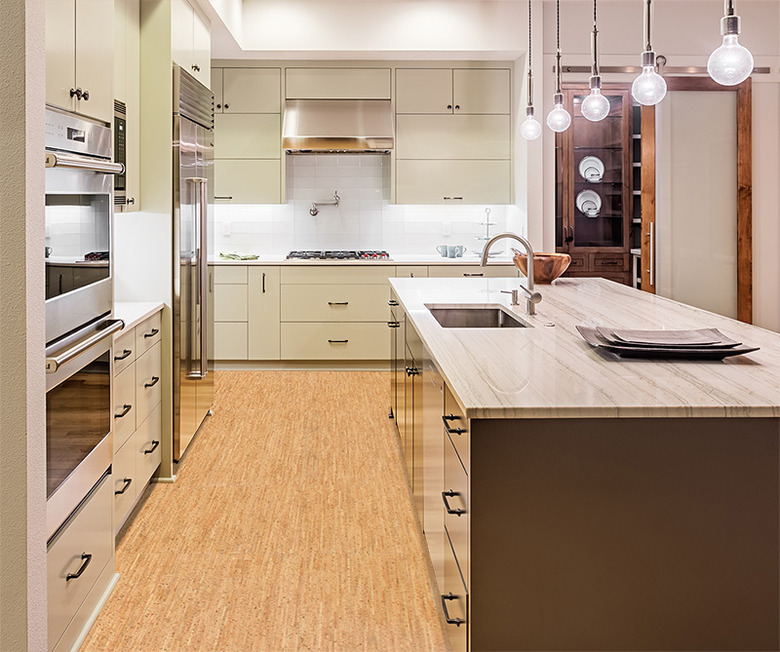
pixel 547 267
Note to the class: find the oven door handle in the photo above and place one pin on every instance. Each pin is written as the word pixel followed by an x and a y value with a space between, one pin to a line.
pixel 56 160
pixel 55 362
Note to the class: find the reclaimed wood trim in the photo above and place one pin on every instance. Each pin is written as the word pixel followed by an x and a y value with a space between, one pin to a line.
pixel 745 202
pixel 647 259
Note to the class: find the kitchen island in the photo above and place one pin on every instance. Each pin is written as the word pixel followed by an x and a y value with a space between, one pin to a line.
pixel 573 500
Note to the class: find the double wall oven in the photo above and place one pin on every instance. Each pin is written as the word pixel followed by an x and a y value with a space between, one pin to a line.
pixel 79 303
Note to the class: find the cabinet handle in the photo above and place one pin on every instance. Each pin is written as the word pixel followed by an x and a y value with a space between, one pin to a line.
pixel 155 380
pixel 607 263
pixel 86 558
pixel 225 197
pixel 450 621
pixel 128 482
pixel 449 494
pixel 85 95
pixel 263 282
pixel 195 67
pixel 125 409
pixel 155 444
pixel 394 324
pixel 472 275
pixel 449 107
pixel 458 198
pixel 453 431
pixel 219 106
pixel 457 107
pixel 227 106
pixel 77 92
pixel 131 200
pixel 125 354
pixel 152 333
pixel 392 302
pixel 338 303
pixel 412 371
pixel 338 341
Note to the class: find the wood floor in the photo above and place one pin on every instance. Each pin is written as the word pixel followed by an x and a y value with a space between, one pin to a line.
pixel 290 527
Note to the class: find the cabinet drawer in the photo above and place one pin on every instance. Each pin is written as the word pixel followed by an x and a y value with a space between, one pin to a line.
pixel 87 532
pixel 411 271
pixel 457 427
pixel 476 271
pixel 147 448
pixel 609 262
pixel 579 262
pixel 231 341
pixel 124 351
pixel 335 341
pixel 455 601
pixel 335 302
pixel 124 480
pixel 320 275
pixel 456 505
pixel 453 137
pixel 147 334
pixel 231 274
pixel 230 303
pixel 125 407
pixel 147 383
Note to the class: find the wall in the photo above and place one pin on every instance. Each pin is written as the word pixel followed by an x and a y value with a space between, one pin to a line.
pixel 22 323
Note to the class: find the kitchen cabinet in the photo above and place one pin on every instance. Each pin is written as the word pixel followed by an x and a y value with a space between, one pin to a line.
pixel 248 181
pixel 458 182
pixel 247 90
pixel 329 83
pixel 459 90
pixel 453 137
pixel 490 270
pixel 191 41
pixel 127 61
pixel 80 56
pixel 247 136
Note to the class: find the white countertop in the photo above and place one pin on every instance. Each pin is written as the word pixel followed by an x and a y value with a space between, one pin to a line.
pixel 134 312
pixel 469 259
pixel 550 371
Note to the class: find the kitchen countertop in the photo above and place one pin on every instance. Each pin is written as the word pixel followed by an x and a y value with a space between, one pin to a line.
pixel 134 312
pixel 551 372
pixel 395 260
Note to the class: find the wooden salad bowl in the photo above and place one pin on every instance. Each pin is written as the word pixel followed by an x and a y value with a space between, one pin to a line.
pixel 547 267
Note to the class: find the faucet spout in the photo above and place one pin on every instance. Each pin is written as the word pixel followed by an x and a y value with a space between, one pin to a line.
pixel 533 297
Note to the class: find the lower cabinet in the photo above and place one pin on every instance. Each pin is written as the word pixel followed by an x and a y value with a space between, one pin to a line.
pixel 335 341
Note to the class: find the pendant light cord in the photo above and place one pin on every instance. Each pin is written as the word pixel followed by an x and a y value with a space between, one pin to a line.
pixel 530 100
pixel 594 43
pixel 729 8
pixel 558 46
pixel 648 47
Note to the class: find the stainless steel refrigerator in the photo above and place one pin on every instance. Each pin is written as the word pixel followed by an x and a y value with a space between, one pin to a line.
pixel 193 206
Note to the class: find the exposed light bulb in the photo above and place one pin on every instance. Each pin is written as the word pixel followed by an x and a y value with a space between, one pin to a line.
pixel 595 106
pixel 731 63
pixel 530 129
pixel 558 119
pixel 649 87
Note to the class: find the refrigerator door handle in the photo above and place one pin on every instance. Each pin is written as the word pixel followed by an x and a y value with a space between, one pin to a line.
pixel 201 268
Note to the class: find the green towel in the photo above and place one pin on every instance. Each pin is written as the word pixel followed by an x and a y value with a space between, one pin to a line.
pixel 239 256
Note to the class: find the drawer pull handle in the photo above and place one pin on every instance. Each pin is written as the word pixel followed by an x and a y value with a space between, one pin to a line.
pixel 223 197
pixel 126 353
pixel 86 557
pixel 470 275
pixel 155 380
pixel 392 302
pixel 153 332
pixel 338 303
pixel 125 409
pixel 609 262
pixel 128 482
pixel 452 431
pixel 458 198
pixel 338 341
pixel 394 324
pixel 263 282
pixel 412 371
pixel 155 444
pixel 450 621
pixel 450 494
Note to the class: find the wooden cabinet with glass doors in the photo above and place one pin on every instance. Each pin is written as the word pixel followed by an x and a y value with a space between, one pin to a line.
pixel 594 186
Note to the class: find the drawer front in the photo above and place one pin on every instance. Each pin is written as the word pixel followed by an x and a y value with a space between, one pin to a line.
pixel 476 271
pixel 457 427
pixel 147 334
pixel 147 389
pixel 579 263
pixel 147 448
pixel 230 303
pixel 335 341
pixel 231 340
pixel 231 274
pixel 609 262
pixel 125 407
pixel 455 502
pixel 455 601
pixel 364 274
pixel 317 303
pixel 411 271
pixel 124 482
pixel 124 351
pixel 88 532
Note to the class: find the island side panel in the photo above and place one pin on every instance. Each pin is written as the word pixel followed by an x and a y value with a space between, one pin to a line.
pixel 625 534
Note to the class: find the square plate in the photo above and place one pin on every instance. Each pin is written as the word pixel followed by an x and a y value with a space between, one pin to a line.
pixel 705 337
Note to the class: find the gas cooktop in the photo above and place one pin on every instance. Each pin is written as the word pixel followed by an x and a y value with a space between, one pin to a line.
pixel 338 255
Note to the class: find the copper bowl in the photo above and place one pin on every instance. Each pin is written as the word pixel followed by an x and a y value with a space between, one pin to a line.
pixel 547 267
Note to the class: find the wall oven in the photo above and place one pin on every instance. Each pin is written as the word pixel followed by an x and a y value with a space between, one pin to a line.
pixel 79 210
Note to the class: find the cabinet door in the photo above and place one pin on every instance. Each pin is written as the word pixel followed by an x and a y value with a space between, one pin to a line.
pixel 125 407
pixel 462 182
pixel 230 340
pixel 338 83
pixel 248 181
pixel 182 27
pixel 60 48
pixel 482 90
pixel 252 90
pixel 217 82
pixel 127 62
pixel 247 136
pixel 453 137
pixel 264 309
pixel 230 303
pixel 124 482
pixel 201 49
pixel 120 50
pixel 95 57
pixel 423 90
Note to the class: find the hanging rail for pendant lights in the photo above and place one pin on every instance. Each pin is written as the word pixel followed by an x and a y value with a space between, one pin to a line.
pixel 672 70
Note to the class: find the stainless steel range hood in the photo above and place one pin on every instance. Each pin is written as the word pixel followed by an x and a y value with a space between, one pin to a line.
pixel 337 126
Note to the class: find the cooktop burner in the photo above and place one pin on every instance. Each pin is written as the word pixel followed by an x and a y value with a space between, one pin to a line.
pixel 338 255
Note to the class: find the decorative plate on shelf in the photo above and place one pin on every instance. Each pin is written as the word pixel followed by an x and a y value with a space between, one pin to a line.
pixel 589 202
pixel 592 169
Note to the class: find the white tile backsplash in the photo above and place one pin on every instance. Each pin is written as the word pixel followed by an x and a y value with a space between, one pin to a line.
pixel 365 218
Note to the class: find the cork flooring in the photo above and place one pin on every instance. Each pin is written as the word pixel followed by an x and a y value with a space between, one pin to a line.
pixel 290 527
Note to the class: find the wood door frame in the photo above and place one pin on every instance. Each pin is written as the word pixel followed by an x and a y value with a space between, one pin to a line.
pixel 744 187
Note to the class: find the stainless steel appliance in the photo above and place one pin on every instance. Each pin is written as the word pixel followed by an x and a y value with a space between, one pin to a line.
pixel 120 153
pixel 338 255
pixel 193 199
pixel 79 209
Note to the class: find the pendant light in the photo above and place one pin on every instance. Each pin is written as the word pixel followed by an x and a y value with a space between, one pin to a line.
pixel 731 63
pixel 595 106
pixel 649 87
pixel 530 129
pixel 558 119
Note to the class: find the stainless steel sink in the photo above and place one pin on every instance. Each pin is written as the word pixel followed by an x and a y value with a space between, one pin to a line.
pixel 469 316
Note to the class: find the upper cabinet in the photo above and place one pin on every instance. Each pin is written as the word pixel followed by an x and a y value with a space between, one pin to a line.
pixel 458 90
pixel 80 56
pixel 127 59
pixel 191 41
pixel 338 83
pixel 247 90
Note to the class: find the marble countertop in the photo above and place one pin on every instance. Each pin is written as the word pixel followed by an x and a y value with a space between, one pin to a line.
pixel 469 259
pixel 550 371
pixel 134 312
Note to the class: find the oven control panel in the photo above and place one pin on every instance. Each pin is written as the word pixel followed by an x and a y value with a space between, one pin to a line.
pixel 67 132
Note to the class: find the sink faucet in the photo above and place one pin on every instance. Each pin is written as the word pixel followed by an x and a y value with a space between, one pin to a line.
pixel 533 297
